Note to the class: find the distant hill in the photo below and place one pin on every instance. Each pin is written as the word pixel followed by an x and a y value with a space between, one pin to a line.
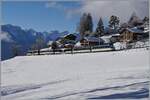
pixel 15 35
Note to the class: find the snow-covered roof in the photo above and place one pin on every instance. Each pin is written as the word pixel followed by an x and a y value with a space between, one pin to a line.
pixel 135 30
pixel 78 44
pixel 93 39
pixel 106 38
pixel 68 35
pixel 70 42
pixel 115 35
pixel 110 30
pixel 109 36
pixel 145 31
pixel 49 42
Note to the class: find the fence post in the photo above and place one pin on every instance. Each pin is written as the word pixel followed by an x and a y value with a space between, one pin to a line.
pixel 90 48
pixel 72 47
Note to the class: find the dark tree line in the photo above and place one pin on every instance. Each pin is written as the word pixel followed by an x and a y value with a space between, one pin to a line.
pixel 85 26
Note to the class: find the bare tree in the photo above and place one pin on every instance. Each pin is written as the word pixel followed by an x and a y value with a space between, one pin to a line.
pixel 39 44
pixel 16 49
pixel 33 48
pixel 89 23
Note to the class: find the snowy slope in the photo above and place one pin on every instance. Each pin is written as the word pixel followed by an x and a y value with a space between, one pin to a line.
pixel 108 75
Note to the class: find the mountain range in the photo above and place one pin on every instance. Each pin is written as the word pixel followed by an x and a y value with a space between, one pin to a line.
pixel 24 38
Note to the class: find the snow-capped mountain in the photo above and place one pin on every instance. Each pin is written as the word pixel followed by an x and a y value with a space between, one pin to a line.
pixel 25 38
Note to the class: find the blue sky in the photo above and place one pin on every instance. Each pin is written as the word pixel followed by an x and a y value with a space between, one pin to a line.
pixel 64 15
pixel 41 16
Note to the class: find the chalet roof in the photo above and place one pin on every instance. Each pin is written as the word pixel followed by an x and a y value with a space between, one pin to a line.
pixel 93 39
pixel 49 42
pixel 109 36
pixel 115 35
pixel 106 38
pixel 70 42
pixel 135 30
pixel 146 31
pixel 110 31
pixel 69 35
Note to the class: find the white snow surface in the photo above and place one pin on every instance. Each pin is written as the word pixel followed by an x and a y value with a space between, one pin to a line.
pixel 119 46
pixel 90 76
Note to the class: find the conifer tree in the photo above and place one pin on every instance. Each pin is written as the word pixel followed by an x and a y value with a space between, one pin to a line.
pixel 100 28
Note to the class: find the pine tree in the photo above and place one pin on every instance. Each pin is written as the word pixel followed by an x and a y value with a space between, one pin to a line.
pixel 89 23
pixel 81 27
pixel 100 28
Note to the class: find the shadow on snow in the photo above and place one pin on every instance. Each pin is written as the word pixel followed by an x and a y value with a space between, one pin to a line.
pixel 142 93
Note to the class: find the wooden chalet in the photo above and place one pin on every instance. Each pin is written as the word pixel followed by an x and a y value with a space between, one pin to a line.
pixel 68 41
pixel 133 34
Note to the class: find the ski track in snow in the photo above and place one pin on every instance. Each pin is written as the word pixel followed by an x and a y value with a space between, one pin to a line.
pixel 7 90
pixel 95 76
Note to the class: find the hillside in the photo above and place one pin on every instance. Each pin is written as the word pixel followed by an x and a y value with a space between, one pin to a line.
pixel 108 75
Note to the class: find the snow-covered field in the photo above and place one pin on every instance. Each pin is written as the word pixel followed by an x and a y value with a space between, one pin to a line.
pixel 89 76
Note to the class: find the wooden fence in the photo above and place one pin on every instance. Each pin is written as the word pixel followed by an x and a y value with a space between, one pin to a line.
pixel 82 49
